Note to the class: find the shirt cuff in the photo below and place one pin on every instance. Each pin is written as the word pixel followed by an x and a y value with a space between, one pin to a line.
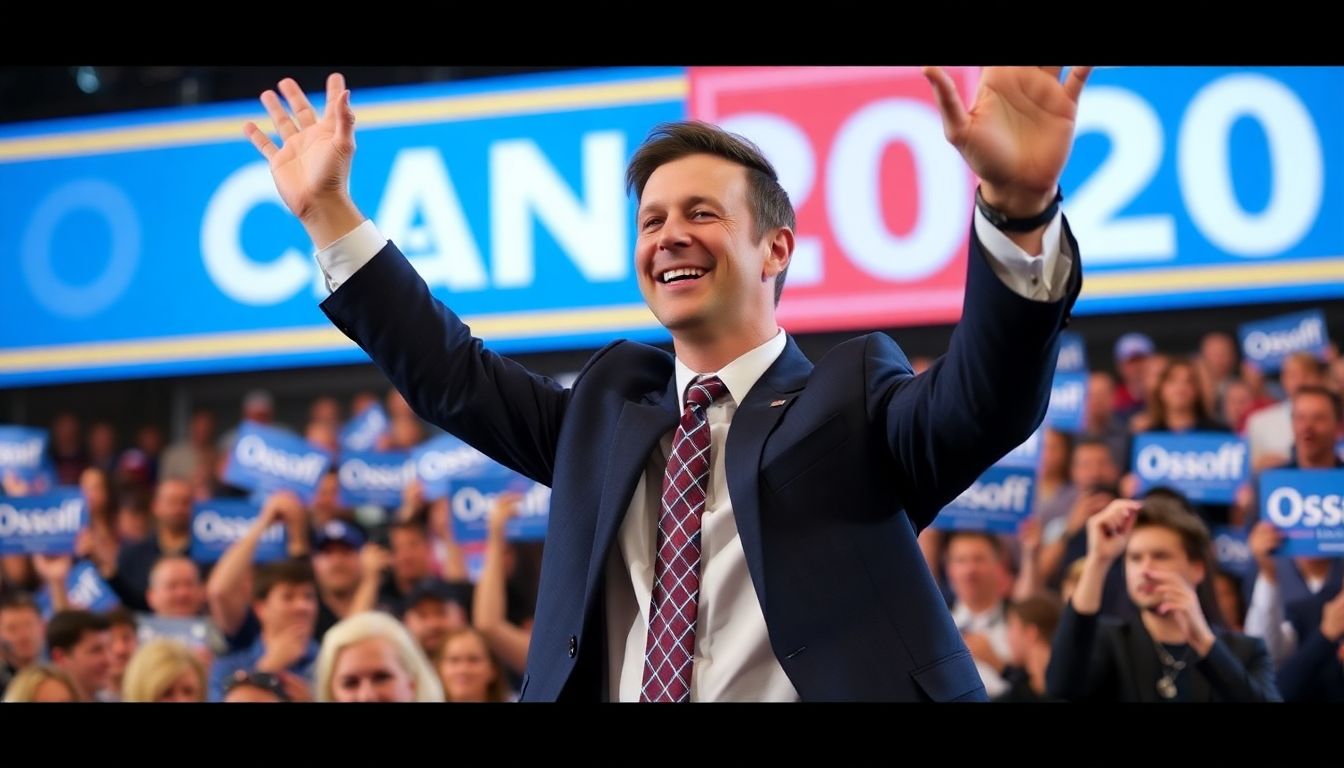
pixel 343 258
pixel 1039 278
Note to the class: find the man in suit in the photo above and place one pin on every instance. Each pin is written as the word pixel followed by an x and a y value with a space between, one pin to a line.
pixel 777 561
pixel 1171 652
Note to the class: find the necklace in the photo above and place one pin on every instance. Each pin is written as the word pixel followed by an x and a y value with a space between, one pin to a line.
pixel 1171 667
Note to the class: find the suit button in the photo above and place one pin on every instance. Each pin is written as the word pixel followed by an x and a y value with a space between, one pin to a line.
pixel 573 646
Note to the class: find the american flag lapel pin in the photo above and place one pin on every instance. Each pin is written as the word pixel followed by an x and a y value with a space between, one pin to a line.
pixel 778 403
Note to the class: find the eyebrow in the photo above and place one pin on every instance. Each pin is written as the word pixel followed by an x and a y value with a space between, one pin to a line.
pixel 689 202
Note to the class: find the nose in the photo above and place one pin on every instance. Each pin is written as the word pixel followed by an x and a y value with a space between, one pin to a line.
pixel 367 693
pixel 673 234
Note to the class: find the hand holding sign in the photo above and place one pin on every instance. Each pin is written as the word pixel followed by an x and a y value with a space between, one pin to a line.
pixel 504 509
pixel 1264 539
pixel 53 569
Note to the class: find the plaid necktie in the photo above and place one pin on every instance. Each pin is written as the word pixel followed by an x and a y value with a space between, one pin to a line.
pixel 670 649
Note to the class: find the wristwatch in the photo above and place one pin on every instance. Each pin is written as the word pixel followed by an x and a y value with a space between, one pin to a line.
pixel 1001 221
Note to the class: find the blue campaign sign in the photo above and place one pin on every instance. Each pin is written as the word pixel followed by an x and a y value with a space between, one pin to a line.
pixel 1068 401
pixel 218 523
pixel 507 195
pixel 266 459
pixel 363 431
pixel 1268 342
pixel 437 461
pixel 1308 506
pixel 1205 466
pixel 1025 456
pixel 997 502
pixel 474 492
pixel 23 459
pixel 1072 353
pixel 374 478
pixel 46 524
pixel 1232 550
pixel 1201 186
pixel 86 588
pixel 193 632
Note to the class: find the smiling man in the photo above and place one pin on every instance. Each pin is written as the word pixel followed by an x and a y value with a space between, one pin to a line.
pixel 732 522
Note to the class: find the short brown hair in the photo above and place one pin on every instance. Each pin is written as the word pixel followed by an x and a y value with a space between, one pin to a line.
pixel 268 576
pixel 67 628
pixel 767 200
pixel 1041 611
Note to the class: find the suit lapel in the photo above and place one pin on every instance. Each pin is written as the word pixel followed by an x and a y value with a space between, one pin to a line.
pixel 756 417
pixel 638 430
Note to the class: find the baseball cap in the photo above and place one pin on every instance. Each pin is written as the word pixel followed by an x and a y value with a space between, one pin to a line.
pixel 1133 345
pixel 341 531
pixel 444 591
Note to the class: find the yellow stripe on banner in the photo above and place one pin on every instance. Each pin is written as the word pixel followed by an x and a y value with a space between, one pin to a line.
pixel 384 115
pixel 302 340
pixel 1212 278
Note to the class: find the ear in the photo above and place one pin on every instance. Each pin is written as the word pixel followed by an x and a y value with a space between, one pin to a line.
pixel 780 242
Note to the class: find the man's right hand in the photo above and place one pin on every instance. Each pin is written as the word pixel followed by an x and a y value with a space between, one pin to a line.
pixel 1109 529
pixel 311 166
pixel 286 647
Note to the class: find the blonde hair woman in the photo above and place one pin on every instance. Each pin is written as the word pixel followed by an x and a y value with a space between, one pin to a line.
pixel 164 670
pixel 370 656
pixel 41 683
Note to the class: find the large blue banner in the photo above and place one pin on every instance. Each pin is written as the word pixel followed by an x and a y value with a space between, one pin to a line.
pixel 1308 506
pixel 507 194
pixel 46 524
pixel 1199 186
pixel 1267 343
pixel 1205 466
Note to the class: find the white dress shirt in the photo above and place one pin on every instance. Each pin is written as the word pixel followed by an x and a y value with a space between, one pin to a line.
pixel 994 626
pixel 733 659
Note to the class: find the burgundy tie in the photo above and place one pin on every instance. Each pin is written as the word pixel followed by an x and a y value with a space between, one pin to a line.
pixel 670 649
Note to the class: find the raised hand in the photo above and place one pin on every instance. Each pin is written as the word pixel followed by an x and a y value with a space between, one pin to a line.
pixel 311 165
pixel 1108 530
pixel 1181 604
pixel 1018 133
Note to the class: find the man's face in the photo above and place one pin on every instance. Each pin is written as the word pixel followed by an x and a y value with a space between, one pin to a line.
pixel 694 221
pixel 121 646
pixel 175 589
pixel 21 633
pixel 172 505
pixel 410 554
pixel 1220 353
pixel 1093 467
pixel 972 569
pixel 1100 397
pixel 287 604
pixel 336 565
pixel 1314 427
pixel 1153 548
pixel 431 620
pixel 89 662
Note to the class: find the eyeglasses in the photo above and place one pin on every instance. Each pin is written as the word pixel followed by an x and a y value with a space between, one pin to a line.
pixel 263 680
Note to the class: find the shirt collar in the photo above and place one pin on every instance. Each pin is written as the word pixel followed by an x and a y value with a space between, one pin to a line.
pixel 740 375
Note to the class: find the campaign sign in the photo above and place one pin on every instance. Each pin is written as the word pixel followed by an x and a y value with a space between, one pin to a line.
pixel 218 523
pixel 1308 506
pixel 193 631
pixel 23 459
pixel 374 478
pixel 474 493
pixel 1025 456
pixel 363 431
pixel 45 524
pixel 84 588
pixel 437 461
pixel 266 459
pixel 1072 353
pixel 1232 550
pixel 1205 466
pixel 1267 343
pixel 1068 399
pixel 997 502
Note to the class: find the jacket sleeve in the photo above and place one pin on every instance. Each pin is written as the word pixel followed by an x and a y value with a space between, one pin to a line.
pixel 1081 668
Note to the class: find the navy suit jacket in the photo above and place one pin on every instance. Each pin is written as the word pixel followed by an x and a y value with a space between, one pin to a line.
pixel 829 489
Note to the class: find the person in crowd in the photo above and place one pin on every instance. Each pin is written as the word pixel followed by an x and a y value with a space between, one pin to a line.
pixel 508 640
pixel 175 588
pixel 183 458
pixel 1238 403
pixel 284 605
pixel 1100 421
pixel 469 670
pixel 1132 351
pixel 370 657
pixel 410 563
pixel 1176 650
pixel 129 575
pixel 1031 625
pixel 973 563
pixel 77 641
pixel 122 641
pixel 246 687
pixel 1217 362
pixel 42 683
pixel 66 446
pixel 1093 475
pixel 102 446
pixel 21 634
pixel 1052 475
pixel 434 608
pixel 1269 431
pixel 164 671
pixel 1315 670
